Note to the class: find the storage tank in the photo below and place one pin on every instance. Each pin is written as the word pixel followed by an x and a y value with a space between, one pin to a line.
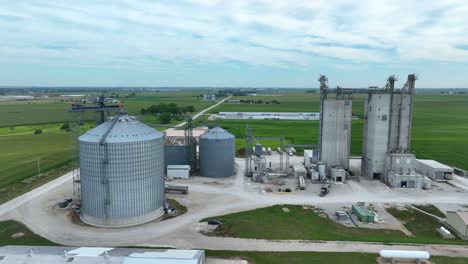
pixel 217 149
pixel 122 173
pixel 258 150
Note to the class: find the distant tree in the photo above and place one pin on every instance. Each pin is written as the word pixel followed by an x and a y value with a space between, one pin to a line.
pixel 143 111
pixel 189 109
pixel 260 101
pixel 165 118
pixel 65 126
pixel 38 131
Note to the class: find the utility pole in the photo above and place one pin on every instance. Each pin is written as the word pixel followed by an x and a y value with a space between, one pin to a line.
pixel 38 166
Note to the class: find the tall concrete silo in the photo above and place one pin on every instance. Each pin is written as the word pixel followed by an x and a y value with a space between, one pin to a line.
pixel 122 173
pixel 335 132
pixel 217 153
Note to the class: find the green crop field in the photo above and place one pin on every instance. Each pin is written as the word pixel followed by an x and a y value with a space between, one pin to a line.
pixel 21 150
pixel 290 225
pixel 22 113
pixel 440 127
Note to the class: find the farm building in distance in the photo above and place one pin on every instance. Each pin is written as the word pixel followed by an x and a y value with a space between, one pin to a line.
pixel 268 115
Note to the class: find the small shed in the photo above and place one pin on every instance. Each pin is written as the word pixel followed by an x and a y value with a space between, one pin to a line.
pixel 363 214
pixel 298 170
pixel 433 169
pixel 337 175
pixel 178 171
pixel 459 221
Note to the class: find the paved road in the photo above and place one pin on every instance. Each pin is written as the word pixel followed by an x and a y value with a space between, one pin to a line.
pixel 204 111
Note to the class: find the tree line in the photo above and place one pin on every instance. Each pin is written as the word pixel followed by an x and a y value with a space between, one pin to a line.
pixel 166 112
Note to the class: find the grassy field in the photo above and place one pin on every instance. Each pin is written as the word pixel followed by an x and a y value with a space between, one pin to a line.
pixel 315 257
pixel 429 208
pixel 297 257
pixel 440 128
pixel 281 225
pixel 21 150
pixel 421 225
pixel 23 236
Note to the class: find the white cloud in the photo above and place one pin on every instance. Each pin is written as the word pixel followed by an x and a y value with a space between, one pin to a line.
pixel 264 32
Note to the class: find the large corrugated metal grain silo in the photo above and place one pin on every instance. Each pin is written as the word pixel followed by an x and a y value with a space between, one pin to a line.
pixel 217 153
pixel 122 173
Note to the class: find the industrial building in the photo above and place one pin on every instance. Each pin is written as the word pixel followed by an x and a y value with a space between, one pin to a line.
pixel 335 128
pixel 122 173
pixel 96 255
pixel 268 115
pixel 363 214
pixel 338 174
pixel 177 151
pixel 387 136
pixel 298 170
pixel 217 153
pixel 459 221
pixel 178 172
pixel 209 97
pixel 434 170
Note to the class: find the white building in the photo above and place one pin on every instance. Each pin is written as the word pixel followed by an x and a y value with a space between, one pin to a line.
pixel 434 170
pixel 178 172
pixel 309 157
pixel 86 255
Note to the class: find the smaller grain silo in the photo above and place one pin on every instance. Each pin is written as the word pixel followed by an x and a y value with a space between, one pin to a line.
pixel 217 153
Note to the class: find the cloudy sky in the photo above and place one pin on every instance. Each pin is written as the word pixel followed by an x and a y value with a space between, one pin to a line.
pixel 262 43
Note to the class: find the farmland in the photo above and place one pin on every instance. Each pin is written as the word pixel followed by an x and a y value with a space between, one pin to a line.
pixel 22 153
pixel 54 111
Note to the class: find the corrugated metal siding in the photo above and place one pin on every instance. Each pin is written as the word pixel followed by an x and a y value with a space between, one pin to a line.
pixel 217 156
pixel 176 155
pixel 135 174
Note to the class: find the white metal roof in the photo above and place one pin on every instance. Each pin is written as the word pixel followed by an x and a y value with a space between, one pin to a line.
pixel 90 255
pixel 463 216
pixel 309 152
pixel 170 253
pixel 178 167
pixel 88 251
pixel 434 164
pixel 298 167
